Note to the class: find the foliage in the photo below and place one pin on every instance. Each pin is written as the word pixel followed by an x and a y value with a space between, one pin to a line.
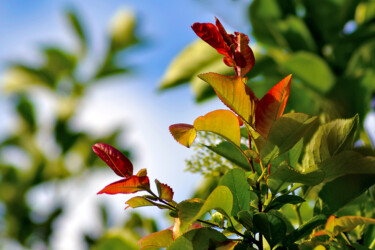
pixel 294 175
pixel 49 161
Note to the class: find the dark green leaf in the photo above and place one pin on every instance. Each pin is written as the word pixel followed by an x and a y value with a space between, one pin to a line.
pixel 280 201
pixel 246 219
pixel 271 226
pixel 78 29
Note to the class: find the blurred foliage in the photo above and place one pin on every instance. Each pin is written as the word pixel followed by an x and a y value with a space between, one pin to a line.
pixel 48 161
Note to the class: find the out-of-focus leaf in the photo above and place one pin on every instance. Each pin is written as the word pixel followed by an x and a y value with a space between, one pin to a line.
pixel 280 201
pixel 235 180
pixel 58 62
pixel 127 186
pixel 122 30
pixel 342 190
pixel 26 109
pixel 116 240
pixel 234 93
pixel 199 239
pixel 272 106
pixel 78 28
pixel 156 240
pixel 330 139
pixel 165 191
pixel 221 199
pixel 116 160
pixel 285 133
pixel 271 226
pixel 317 75
pixel 189 63
pixel 64 135
pixel 361 59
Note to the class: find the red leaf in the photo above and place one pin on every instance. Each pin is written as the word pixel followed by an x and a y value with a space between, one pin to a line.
pixel 272 106
pixel 244 55
pixel 114 159
pixel 127 186
pixel 165 191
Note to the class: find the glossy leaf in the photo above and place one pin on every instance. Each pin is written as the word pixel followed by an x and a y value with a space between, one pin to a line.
pixel 165 191
pixel 118 162
pixel 183 133
pixel 235 180
pixel 272 106
pixel 157 240
pixel 285 133
pixel 280 201
pixel 234 93
pixel 129 185
pixel 220 199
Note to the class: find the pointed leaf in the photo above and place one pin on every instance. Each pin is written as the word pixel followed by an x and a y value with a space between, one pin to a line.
pixel 157 240
pixel 127 186
pixel 271 226
pixel 280 201
pixel 244 55
pixel 285 133
pixel 183 133
pixel 234 93
pixel 138 201
pixel 236 181
pixel 221 122
pixel 165 191
pixel 272 106
pixel 118 162
pixel 142 172
pixel 348 223
pixel 78 28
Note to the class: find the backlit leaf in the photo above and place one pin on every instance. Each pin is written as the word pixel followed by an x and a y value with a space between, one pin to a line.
pixel 127 186
pixel 272 106
pixel 243 51
pixel 348 223
pixel 165 191
pixel 157 240
pixel 234 93
pixel 118 162
pixel 183 133
pixel 138 201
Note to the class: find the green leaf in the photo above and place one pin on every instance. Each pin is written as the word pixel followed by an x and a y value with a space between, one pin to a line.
pixel 235 180
pixel 271 226
pixel 122 30
pixel 198 239
pixel 246 219
pixel 59 62
pixel 285 133
pixel 304 230
pixel 231 153
pixel 330 139
pixel 156 240
pixel 317 75
pixel 342 190
pixel 26 110
pixel 138 201
pixel 280 201
pixel 286 174
pixel 116 240
pixel 189 63
pixel 220 199
pixel 78 28
pixel 348 223
pixel 234 93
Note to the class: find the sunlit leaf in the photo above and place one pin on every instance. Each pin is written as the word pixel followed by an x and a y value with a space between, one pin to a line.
pixel 157 240
pixel 234 93
pixel 118 162
pixel 183 133
pixel 122 30
pixel 165 191
pixel 129 185
pixel 138 201
pixel 280 201
pixel 272 106
pixel 142 172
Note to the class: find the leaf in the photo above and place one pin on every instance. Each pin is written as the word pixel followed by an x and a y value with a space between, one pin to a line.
pixel 157 240
pixel 129 185
pixel 183 133
pixel 271 226
pixel 330 139
pixel 348 223
pixel 58 62
pixel 285 133
pixel 199 239
pixel 272 106
pixel 231 153
pixel 118 162
pixel 280 201
pixel 189 63
pixel 286 174
pixel 342 190
pixel 122 29
pixel 220 199
pixel 138 201
pixel 317 75
pixel 244 52
pixel 235 180
pixel 221 122
pixel 165 191
pixel 234 93
pixel 78 28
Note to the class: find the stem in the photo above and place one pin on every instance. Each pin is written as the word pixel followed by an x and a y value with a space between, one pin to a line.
pixel 372 245
pixel 260 245
pixel 298 213
pixel 161 200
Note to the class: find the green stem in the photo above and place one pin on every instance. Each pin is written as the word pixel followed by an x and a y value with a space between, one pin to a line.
pixel 372 245
pixel 298 214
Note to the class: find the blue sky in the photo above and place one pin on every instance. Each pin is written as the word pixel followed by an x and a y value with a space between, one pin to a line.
pixel 132 100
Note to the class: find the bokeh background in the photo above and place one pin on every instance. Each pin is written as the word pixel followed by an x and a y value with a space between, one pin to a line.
pixel 76 73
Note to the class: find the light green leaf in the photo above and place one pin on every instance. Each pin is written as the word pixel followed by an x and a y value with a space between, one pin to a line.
pixel 235 180
pixel 78 29
pixel 156 240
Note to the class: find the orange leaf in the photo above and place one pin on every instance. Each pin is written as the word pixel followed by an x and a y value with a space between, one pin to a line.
pixel 221 122
pixel 142 172
pixel 272 106
pixel 234 93
pixel 165 191
pixel 127 186
pixel 118 162
pixel 183 133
